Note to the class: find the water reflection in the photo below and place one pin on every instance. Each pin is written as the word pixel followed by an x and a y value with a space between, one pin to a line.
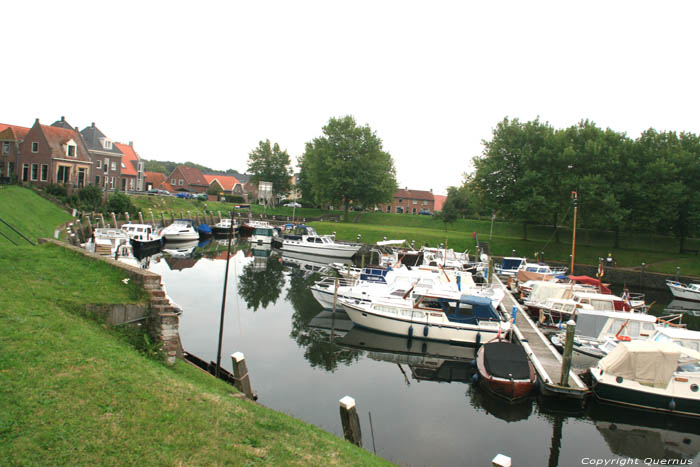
pixel 314 329
pixel 262 280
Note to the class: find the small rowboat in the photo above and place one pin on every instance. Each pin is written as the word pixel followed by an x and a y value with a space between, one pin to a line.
pixel 505 369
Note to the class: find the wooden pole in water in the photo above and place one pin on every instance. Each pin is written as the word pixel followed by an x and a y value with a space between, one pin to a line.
pixel 141 218
pixel 114 220
pixel 128 220
pixel 102 219
pixel 335 294
pixel 81 234
pixel 153 219
pixel 568 349
pixel 172 217
pixel 242 379
pixel 219 213
pixel 223 303
pixel 350 420
pixel 162 219
pixel 574 196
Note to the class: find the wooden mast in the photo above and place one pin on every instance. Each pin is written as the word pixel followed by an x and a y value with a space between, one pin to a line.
pixel 574 197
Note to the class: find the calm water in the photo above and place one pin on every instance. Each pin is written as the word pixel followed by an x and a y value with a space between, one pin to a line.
pixel 423 408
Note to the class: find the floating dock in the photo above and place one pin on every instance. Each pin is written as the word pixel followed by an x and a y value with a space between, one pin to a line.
pixel 544 357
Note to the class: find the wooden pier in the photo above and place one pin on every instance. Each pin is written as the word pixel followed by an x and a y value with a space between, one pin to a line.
pixel 544 357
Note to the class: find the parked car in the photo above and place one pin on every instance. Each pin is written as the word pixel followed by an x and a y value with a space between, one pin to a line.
pixel 183 195
pixel 293 204
pixel 155 191
pixel 425 212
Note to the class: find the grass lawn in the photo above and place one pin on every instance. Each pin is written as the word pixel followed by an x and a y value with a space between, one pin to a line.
pixel 28 213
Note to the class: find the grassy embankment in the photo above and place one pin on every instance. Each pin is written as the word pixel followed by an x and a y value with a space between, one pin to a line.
pixel 73 391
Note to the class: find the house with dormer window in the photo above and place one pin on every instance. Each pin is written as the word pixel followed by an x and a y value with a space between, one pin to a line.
pixel 106 157
pixel 53 154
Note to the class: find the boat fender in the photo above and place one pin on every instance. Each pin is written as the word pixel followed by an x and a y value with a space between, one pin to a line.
pixel 424 347
pixel 672 405
pixel 478 339
pixel 425 331
pixel 410 331
pixel 475 378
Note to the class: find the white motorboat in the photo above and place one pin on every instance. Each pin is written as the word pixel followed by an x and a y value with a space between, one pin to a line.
pixel 650 375
pixel 466 319
pixel 181 230
pixel 555 310
pixel 684 291
pixel 306 240
pixel 510 266
pixel 106 241
pixel 679 336
pixel 145 238
pixel 259 232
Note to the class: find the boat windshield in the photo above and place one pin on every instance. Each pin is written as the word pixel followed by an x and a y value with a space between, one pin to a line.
pixel 511 263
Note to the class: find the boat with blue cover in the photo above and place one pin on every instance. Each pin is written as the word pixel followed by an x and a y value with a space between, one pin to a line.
pixel 431 314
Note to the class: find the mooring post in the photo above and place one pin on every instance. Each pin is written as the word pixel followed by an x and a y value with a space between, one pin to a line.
pixel 153 219
pixel 102 219
pixel 490 274
pixel 89 224
pixel 172 217
pixel 501 461
pixel 141 218
pixel 678 273
pixel 335 294
pixel 81 234
pixel 568 349
pixel 114 220
pixel 128 220
pixel 350 420
pixel 240 371
pixel 219 213
pixel 196 216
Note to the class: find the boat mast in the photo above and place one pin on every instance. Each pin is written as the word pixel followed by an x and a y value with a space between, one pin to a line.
pixel 574 197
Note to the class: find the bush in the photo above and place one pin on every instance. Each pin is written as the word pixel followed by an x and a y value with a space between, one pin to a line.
pixel 120 203
pixel 90 198
pixel 234 199
pixel 59 191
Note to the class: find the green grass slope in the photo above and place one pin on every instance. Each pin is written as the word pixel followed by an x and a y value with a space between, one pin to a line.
pixel 28 213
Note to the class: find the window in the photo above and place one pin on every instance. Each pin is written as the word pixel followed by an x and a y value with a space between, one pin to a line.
pixel 63 174
pixel 388 209
pixel 414 211
pixel 415 201
pixel 99 164
pixel 400 200
pixel 5 148
pixel 106 165
pixel 173 182
pixel 123 166
pixel 111 182
pixel 425 203
pixel 44 172
pixel 107 144
pixel 114 166
pixel 70 150
pixel 35 171
pixel 0 170
pixel 97 180
pixel 35 147
pixel 180 182
pixel 25 172
pixel 140 167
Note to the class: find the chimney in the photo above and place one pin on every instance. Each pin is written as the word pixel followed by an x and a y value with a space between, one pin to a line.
pixel 93 124
pixel 63 119
pixel 431 190
pixel 36 122
pixel 131 144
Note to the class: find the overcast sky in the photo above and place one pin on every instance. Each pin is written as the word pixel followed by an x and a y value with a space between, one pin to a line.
pixel 205 81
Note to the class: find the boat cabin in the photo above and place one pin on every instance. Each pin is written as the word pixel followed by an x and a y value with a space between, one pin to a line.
pixel 468 309
pixel 599 325
pixel 679 336
pixel 139 231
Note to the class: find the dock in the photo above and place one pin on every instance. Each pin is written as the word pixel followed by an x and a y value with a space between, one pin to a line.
pixel 543 355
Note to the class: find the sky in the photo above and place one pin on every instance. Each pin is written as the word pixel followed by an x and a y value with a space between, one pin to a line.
pixel 206 81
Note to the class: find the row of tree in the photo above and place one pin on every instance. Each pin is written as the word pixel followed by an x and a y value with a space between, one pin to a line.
pixel 528 171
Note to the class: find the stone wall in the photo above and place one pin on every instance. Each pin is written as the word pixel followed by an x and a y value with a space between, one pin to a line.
pixel 161 315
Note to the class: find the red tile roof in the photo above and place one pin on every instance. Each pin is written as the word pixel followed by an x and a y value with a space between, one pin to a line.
pixel 156 179
pixel 129 159
pixel 19 132
pixel 227 182
pixel 57 137
pixel 414 194
pixel 439 202
pixel 193 176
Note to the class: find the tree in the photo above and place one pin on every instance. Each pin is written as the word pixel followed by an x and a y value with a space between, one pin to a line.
pixel 347 164
pixel 268 163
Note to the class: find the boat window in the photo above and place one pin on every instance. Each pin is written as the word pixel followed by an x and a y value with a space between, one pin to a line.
pixel 398 293
pixel 590 325
pixel 318 240
pixel 310 240
pixel 430 303
pixel 693 345
pixel 602 305
pixel 648 326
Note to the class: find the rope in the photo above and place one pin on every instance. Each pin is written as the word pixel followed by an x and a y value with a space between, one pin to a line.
pixel 557 229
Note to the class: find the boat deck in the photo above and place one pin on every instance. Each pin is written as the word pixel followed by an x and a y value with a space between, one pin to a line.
pixel 544 357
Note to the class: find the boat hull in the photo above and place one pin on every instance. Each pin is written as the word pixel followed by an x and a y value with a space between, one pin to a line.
pixel 335 250
pixel 607 388
pixel 454 333
pixel 683 293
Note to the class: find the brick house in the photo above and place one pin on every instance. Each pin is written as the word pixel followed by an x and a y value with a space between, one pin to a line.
pixel 106 157
pixel 156 181
pixel 409 202
pixel 53 154
pixel 185 178
pixel 132 169
pixel 11 136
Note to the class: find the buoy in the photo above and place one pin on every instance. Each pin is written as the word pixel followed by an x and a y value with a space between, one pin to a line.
pixel 672 405
pixel 425 331
pixel 478 339
pixel 410 331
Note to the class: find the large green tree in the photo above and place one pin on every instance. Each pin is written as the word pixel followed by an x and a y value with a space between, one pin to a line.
pixel 348 165
pixel 268 163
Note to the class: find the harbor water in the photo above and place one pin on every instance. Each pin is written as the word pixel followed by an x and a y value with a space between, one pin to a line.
pixel 416 400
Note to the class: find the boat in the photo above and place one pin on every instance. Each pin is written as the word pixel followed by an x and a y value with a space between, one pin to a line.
pixel 181 230
pixel 558 310
pixel 510 265
pixel 106 241
pixel 684 291
pixel 679 336
pixel 145 238
pixel 505 369
pixel 304 239
pixel 650 375
pixel 224 226
pixel 432 315
pixel 259 231
pixel 306 263
pixel 204 230
pixel 597 332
